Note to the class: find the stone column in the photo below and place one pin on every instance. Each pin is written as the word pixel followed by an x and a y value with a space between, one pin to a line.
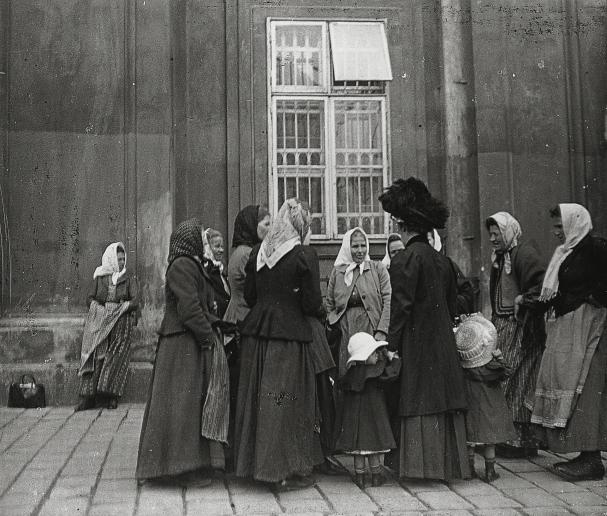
pixel 461 170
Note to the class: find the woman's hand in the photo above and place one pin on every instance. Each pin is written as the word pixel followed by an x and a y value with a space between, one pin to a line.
pixel 380 335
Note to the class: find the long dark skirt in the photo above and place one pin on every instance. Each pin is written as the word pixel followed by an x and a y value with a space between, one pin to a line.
pixel 276 410
pixel 110 362
pixel 434 447
pixel 171 442
pixel 586 430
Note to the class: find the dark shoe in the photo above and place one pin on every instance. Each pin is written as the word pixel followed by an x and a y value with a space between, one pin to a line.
pixel 490 473
pixel 85 403
pixel 581 470
pixel 293 483
pixel 330 467
pixel 112 403
pixel 377 479
pixel 506 451
pixel 472 470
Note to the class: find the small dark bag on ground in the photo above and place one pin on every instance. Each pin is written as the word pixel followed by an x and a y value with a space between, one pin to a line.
pixel 26 394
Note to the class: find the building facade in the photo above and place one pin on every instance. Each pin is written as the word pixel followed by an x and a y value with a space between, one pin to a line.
pixel 120 118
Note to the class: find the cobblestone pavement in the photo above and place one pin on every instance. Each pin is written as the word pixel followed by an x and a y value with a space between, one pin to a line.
pixel 53 461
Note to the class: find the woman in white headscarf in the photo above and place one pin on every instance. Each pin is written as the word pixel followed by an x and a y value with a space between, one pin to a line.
pixel 517 272
pixel 106 341
pixel 275 438
pixel 393 245
pixel 358 294
pixel 571 391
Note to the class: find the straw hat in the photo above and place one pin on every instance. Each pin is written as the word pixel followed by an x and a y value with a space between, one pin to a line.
pixel 475 339
pixel 361 345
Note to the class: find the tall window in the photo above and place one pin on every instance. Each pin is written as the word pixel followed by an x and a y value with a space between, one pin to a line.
pixel 328 134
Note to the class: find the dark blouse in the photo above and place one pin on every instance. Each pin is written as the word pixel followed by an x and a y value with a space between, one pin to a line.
pixel 583 276
pixel 222 298
pixel 103 291
pixel 281 297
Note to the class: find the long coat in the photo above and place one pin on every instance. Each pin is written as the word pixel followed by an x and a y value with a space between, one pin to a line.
pixel 373 285
pixel 421 330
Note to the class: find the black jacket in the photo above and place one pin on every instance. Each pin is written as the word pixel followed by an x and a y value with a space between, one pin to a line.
pixel 189 301
pixel 582 274
pixel 281 297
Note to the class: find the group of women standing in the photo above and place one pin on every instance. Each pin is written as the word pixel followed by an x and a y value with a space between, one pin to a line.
pixel 241 365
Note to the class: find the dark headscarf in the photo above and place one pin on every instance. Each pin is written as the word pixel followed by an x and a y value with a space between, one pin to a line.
pixel 245 225
pixel 186 240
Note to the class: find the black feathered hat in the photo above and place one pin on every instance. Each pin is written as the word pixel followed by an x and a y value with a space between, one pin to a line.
pixel 410 201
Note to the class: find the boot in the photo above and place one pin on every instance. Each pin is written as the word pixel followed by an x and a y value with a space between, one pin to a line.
pixel 471 464
pixel 588 466
pixel 490 473
pixel 377 479
pixel 359 480
pixel 112 403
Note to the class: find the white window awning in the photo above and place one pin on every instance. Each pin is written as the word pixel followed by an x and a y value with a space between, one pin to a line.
pixel 360 51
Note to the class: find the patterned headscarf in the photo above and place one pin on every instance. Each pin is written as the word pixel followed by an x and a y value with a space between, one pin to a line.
pixel 186 240
pixel 511 232
pixel 290 228
pixel 577 223
pixel 344 257
pixel 109 263
pixel 245 225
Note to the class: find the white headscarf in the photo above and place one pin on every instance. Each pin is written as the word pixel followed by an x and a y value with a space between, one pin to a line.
pixel 577 223
pixel 511 231
pixel 344 257
pixel 208 252
pixel 289 228
pixel 438 243
pixel 109 263
pixel 386 260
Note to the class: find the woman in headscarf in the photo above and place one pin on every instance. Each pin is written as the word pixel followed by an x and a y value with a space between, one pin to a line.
pixel 106 342
pixel 213 254
pixel 393 245
pixel 250 227
pixel 516 278
pixel 185 423
pixel 466 296
pixel 275 438
pixel 429 426
pixel 358 294
pixel 571 393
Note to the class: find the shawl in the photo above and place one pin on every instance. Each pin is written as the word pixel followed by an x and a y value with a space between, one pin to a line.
pixel 109 263
pixel 186 240
pixel 344 257
pixel 290 228
pixel 511 232
pixel 392 237
pixel 245 227
pixel 576 225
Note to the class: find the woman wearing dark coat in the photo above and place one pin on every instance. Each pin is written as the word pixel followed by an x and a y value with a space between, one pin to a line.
pixel 430 426
pixel 178 410
pixel 275 438
pixel 571 392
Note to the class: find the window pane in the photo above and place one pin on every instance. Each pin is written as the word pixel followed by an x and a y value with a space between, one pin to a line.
pixel 359 165
pixel 298 55
pixel 301 157
pixel 359 51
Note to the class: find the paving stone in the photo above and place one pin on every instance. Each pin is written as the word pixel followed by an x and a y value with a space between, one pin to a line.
pixel 337 485
pixel 305 505
pixel 587 498
pixel 599 490
pixel 64 492
pixel 474 487
pixel 534 497
pixel 601 510
pixel 246 503
pixel 208 508
pixel 522 466
pixel 110 491
pixel 508 480
pixel 444 500
pixel 216 492
pixel 349 504
pixel 448 513
pixel 545 511
pixel 423 486
pixel 65 507
pixel 394 498
pixel 497 512
pixel 492 501
pixel 551 482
